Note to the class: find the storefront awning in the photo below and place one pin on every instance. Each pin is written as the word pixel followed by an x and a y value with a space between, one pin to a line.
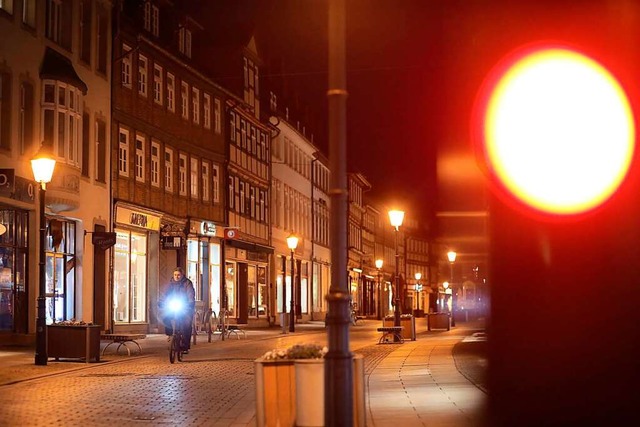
pixel 250 246
pixel 56 66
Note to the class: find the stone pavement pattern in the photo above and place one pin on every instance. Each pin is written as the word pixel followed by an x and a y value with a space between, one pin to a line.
pixel 413 384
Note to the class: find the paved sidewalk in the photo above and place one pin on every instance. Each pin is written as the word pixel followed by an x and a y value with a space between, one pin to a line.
pixel 412 384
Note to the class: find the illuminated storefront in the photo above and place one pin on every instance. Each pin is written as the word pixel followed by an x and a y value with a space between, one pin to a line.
pixel 135 260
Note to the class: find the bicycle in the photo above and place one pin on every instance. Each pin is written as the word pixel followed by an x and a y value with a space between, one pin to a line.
pixel 176 308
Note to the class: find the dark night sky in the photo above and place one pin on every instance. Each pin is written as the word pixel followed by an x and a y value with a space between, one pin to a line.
pixel 413 69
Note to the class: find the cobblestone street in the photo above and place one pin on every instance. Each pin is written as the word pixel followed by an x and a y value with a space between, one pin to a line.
pixel 214 386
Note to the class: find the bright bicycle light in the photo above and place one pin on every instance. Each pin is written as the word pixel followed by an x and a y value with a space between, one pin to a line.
pixel 175 305
pixel 557 131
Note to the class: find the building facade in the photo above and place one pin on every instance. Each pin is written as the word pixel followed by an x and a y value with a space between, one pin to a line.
pixel 169 165
pixel 300 207
pixel 55 62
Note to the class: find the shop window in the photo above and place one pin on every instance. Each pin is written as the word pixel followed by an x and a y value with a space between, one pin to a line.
pixel 230 288
pixel 130 277
pixel 60 270
pixel 13 267
pixel 214 277
pixel 194 266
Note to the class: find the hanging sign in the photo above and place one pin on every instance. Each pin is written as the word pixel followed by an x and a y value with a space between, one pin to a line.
pixel 103 239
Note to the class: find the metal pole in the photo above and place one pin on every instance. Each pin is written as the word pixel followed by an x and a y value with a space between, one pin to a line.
pixel 292 313
pixel 41 322
pixel 283 319
pixel 396 308
pixel 453 299
pixel 338 377
pixel 379 297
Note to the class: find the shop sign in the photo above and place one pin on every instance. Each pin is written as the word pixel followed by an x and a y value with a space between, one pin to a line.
pixel 230 233
pixel 207 228
pixel 137 219
pixel 171 242
pixel 7 181
pixel 103 240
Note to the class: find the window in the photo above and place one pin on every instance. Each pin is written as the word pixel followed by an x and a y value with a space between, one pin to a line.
pixel 86 141
pixel 231 193
pixel 184 42
pixel 194 178
pixel 171 92
pixel 157 84
pixel 140 143
pixel 58 24
pixel 85 31
pixel 142 75
pixel 126 66
pixel 218 116
pixel 207 111
pixel 101 151
pixel 182 175
pixel 5 111
pixel 61 120
pixel 216 183
pixel 185 100
pixel 123 152
pixel 168 170
pixel 195 98
pixel 155 21
pixel 25 117
pixel 29 13
pixel 155 164
pixel 205 182
pixel 130 277
pixel 7 6
pixel 147 16
pixel 102 41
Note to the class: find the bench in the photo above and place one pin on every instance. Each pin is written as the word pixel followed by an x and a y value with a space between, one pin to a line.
pixel 394 332
pixel 233 329
pixel 122 340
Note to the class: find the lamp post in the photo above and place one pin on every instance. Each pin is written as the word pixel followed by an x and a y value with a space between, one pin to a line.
pixel 42 165
pixel 395 218
pixel 418 276
pixel 292 243
pixel 379 263
pixel 451 255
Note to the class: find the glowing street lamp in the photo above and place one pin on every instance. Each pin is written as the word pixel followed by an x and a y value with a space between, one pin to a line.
pixel 379 263
pixel 395 218
pixel 451 255
pixel 292 243
pixel 42 165
pixel 418 276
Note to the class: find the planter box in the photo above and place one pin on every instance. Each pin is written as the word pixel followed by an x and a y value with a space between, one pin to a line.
pixel 439 321
pixel 408 326
pixel 276 401
pixel 74 342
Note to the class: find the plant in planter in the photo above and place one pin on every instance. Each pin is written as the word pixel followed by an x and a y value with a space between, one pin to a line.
pixel 297 351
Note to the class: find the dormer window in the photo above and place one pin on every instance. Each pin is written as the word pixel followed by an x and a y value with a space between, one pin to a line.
pixel 152 18
pixel 184 41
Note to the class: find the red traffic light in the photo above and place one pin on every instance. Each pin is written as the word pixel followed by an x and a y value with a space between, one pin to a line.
pixel 555 130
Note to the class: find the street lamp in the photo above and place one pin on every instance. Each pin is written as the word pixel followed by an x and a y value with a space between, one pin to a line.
pixel 379 263
pixel 418 276
pixel 292 243
pixel 451 255
pixel 42 165
pixel 395 218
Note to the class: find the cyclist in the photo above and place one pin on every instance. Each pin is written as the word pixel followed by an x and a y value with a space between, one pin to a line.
pixel 181 287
